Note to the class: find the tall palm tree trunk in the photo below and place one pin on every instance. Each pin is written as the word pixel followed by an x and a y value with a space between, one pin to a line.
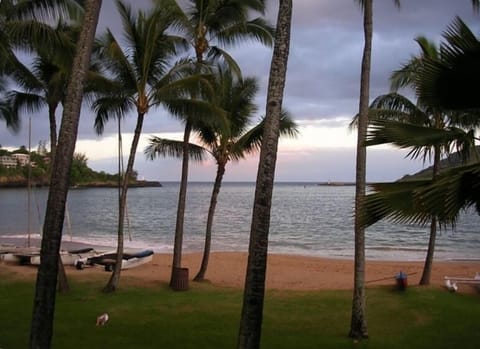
pixel 45 289
pixel 53 131
pixel 177 250
pixel 211 212
pixel 254 293
pixel 62 282
pixel 358 325
pixel 427 268
pixel 114 280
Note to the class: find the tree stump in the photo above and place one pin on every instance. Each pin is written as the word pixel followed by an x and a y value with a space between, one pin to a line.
pixel 179 280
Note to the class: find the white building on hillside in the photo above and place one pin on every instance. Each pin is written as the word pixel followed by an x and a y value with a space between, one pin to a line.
pixel 22 159
pixel 8 161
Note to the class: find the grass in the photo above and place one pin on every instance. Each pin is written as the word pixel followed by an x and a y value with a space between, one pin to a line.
pixel 208 317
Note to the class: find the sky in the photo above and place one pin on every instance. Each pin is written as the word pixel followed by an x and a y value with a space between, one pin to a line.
pixel 321 93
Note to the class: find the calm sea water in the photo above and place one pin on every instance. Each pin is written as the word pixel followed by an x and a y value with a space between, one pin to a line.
pixel 306 220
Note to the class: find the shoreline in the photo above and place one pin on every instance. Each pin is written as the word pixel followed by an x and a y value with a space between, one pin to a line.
pixel 284 272
pixel 67 245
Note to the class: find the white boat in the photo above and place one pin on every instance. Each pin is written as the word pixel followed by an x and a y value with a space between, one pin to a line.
pixel 131 259
pixel 19 255
pixel 70 257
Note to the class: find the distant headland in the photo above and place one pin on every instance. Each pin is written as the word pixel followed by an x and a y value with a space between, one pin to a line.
pixel 19 182
pixel 21 168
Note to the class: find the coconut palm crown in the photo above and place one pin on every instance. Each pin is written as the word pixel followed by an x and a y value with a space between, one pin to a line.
pixel 211 25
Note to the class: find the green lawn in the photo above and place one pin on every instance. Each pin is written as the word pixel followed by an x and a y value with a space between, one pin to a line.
pixel 208 317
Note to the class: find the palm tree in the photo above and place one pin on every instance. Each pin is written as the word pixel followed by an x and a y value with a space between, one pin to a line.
pixel 44 301
pixel 202 24
pixel 225 144
pixel 358 325
pixel 250 328
pixel 25 24
pixel 457 188
pixel 144 79
pixel 45 83
pixel 397 107
pixel 20 27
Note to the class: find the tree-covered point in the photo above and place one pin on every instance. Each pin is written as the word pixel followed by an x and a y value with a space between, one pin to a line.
pixel 81 174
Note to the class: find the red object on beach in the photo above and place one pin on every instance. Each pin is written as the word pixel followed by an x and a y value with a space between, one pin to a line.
pixel 401 280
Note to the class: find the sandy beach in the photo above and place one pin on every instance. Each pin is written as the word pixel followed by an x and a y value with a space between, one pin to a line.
pixel 284 272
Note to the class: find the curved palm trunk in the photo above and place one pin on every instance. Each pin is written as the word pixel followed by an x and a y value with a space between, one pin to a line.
pixel 358 325
pixel 211 212
pixel 182 197
pixel 254 293
pixel 62 282
pixel 427 268
pixel 45 288
pixel 115 278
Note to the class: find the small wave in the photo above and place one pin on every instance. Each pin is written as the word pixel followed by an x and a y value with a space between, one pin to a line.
pixel 394 248
pixel 21 236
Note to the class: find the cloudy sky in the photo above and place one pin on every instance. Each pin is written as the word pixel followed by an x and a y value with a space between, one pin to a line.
pixel 321 92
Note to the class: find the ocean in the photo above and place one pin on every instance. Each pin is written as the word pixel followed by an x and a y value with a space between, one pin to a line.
pixel 307 219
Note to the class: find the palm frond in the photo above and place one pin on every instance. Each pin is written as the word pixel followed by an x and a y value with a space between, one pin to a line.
pixel 116 61
pixel 179 85
pixel 109 107
pixel 447 82
pixel 180 23
pixel 251 141
pixel 361 3
pixel 25 77
pixel 46 10
pixel 255 30
pixel 216 54
pixel 394 106
pixel 418 201
pixel 197 111
pixel 394 201
pixel 420 139
pixel 457 189
pixel 406 75
pixel 172 148
pixel 25 102
pixel 11 118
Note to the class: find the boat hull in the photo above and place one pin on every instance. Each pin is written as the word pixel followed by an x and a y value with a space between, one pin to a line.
pixel 131 259
pixel 69 257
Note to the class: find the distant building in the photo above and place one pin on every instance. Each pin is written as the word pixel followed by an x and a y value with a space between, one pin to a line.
pixel 15 160
pixel 22 159
pixel 8 161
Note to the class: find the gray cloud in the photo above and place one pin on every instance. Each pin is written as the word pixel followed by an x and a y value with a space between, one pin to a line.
pixel 324 63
